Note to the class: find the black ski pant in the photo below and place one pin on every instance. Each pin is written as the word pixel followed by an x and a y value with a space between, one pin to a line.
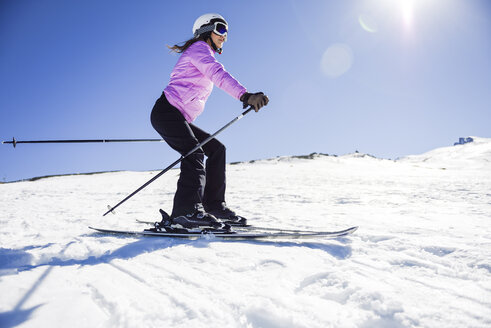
pixel 197 183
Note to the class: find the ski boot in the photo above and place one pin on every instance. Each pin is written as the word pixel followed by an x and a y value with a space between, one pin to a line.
pixel 227 216
pixel 198 220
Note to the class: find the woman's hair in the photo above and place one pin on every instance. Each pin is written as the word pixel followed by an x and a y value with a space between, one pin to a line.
pixel 180 49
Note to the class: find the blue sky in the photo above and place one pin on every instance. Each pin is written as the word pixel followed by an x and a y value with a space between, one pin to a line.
pixel 385 77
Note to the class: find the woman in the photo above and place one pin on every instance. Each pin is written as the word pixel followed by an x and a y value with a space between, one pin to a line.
pixel 200 197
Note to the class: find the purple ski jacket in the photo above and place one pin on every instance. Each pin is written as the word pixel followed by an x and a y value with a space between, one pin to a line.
pixel 193 77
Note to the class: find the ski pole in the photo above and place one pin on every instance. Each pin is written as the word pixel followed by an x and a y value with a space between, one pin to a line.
pixel 111 209
pixel 15 142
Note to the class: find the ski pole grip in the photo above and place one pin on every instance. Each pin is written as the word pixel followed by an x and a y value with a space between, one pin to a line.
pixel 247 110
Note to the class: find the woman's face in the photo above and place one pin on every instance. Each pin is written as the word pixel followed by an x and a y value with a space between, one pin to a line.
pixel 218 39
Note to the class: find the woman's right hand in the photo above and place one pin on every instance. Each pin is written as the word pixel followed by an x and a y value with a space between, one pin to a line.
pixel 256 100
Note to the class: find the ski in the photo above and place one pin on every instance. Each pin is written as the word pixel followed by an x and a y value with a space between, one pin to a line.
pixel 223 234
pixel 249 227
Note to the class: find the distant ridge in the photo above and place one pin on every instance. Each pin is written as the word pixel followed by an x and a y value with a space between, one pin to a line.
pixel 309 156
pixel 60 175
pixel 475 154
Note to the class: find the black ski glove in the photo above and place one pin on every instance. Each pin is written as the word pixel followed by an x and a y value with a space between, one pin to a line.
pixel 256 100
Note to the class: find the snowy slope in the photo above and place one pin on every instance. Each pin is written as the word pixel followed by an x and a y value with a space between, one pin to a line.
pixel 421 257
pixel 476 155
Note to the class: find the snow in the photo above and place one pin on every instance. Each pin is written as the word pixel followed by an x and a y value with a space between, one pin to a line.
pixel 476 155
pixel 421 257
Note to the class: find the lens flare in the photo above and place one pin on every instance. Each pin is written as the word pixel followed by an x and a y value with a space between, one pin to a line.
pixel 368 23
pixel 337 60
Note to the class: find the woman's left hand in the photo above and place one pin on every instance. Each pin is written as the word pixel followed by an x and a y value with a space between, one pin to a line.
pixel 256 100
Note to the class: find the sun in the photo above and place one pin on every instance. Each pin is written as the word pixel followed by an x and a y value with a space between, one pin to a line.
pixel 379 14
pixel 407 11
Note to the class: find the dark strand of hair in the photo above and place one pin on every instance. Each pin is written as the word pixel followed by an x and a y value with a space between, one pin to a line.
pixel 180 49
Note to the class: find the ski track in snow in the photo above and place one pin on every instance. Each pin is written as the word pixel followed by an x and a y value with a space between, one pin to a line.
pixel 421 257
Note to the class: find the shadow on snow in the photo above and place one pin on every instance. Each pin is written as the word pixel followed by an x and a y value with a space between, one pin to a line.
pixel 16 316
pixel 17 260
pixel 9 259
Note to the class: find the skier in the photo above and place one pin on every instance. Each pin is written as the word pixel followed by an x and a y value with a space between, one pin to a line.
pixel 200 197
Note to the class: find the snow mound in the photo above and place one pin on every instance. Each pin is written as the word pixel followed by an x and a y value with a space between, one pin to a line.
pixel 472 155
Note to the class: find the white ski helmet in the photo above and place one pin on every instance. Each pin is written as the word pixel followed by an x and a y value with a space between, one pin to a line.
pixel 204 23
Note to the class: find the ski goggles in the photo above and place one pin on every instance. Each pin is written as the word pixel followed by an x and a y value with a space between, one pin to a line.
pixel 220 28
pixel 217 27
